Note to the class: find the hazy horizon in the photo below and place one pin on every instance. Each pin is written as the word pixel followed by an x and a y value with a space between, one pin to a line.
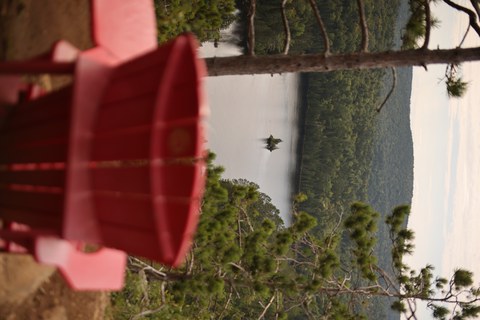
pixel 446 139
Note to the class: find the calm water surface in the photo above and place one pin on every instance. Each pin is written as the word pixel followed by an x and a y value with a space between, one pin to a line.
pixel 245 110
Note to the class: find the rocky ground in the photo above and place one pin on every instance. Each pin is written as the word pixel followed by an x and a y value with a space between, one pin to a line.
pixel 27 290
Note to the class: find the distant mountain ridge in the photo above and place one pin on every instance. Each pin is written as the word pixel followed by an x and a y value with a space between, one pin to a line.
pixel 392 165
pixel 391 178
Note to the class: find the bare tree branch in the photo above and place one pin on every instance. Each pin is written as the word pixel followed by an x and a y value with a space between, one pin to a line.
pixel 336 228
pixel 394 84
pixel 239 227
pixel 464 37
pixel 473 19
pixel 238 267
pixel 191 262
pixel 226 303
pixel 307 311
pixel 251 27
pixel 137 265
pixel 321 25
pixel 363 25
pixel 391 283
pixel 286 27
pixel 267 306
pixel 247 219
pixel 277 306
pixel 280 63
pixel 296 261
pixel 162 291
pixel 299 304
pixel 146 313
pixel 428 23
pixel 151 273
pixel 476 6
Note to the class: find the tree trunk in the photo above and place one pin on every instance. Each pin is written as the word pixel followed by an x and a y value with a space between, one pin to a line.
pixel 271 64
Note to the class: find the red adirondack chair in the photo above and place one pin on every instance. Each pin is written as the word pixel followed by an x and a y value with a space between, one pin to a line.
pixel 116 159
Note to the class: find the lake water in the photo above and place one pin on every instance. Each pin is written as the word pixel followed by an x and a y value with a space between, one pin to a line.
pixel 245 110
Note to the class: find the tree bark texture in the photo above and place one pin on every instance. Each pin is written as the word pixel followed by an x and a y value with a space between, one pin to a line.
pixel 271 64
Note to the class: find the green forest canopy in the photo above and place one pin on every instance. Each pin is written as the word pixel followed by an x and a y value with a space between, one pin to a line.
pixel 245 264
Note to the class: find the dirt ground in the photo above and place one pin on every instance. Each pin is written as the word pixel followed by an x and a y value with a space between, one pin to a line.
pixel 27 290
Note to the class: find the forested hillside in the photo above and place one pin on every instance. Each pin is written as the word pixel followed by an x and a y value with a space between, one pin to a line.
pixel 339 118
pixel 347 151
pixel 392 167
pixel 391 181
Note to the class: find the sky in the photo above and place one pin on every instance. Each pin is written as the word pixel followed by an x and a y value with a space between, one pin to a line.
pixel 446 138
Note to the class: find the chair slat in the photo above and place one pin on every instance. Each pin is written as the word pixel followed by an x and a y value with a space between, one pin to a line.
pixel 52 129
pixel 52 152
pixel 41 202
pixel 125 113
pixel 136 84
pixel 128 212
pixel 123 179
pixel 50 222
pixel 51 178
pixel 177 180
pixel 135 241
pixel 120 145
pixel 40 110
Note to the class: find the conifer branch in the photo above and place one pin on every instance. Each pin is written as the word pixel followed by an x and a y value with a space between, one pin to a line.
pixel 147 313
pixel 428 23
pixel 265 309
pixel 363 25
pixel 476 6
pixel 394 84
pixel 464 37
pixel 321 25
pixel 225 307
pixel 286 27
pixel 251 27
pixel 472 16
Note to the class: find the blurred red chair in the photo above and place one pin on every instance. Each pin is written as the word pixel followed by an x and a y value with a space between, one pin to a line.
pixel 116 159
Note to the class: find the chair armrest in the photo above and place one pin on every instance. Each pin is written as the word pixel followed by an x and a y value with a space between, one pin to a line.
pixel 100 270
pixel 124 28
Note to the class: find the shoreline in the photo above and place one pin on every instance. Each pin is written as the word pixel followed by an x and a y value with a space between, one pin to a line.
pixel 302 112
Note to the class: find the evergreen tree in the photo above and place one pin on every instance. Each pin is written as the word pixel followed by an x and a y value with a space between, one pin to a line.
pixel 413 54
pixel 244 265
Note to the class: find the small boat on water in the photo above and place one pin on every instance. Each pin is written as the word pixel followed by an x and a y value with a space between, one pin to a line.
pixel 271 143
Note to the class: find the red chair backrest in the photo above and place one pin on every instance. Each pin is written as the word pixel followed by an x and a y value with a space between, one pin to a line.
pixel 147 149
pixel 144 171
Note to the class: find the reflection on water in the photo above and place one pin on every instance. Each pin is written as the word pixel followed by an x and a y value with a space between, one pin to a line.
pixel 244 111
